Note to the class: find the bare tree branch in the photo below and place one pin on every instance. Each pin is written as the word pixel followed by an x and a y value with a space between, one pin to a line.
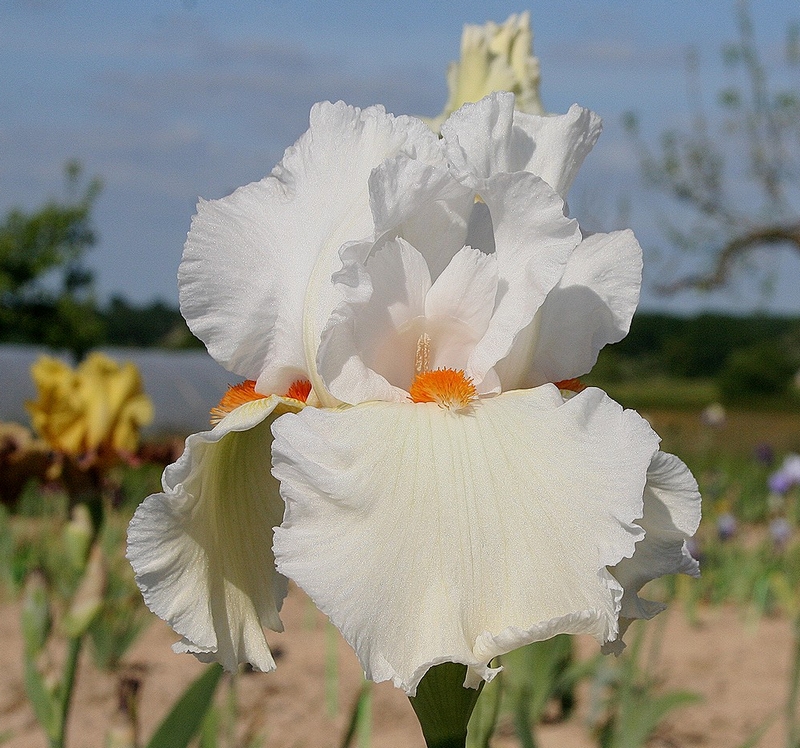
pixel 775 236
pixel 736 186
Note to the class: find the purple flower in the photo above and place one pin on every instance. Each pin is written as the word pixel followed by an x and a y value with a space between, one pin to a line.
pixel 764 453
pixel 780 530
pixel 787 477
pixel 726 526
pixel 779 482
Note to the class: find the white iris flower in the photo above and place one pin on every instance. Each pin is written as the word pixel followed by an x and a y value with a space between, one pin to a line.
pixel 412 313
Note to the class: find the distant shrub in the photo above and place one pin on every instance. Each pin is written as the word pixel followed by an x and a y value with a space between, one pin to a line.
pixel 764 369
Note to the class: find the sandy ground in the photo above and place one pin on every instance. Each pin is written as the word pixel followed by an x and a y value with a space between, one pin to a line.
pixel 740 668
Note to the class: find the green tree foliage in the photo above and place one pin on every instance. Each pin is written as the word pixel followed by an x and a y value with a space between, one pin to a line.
pixel 700 346
pixel 156 324
pixel 748 360
pixel 761 370
pixel 45 287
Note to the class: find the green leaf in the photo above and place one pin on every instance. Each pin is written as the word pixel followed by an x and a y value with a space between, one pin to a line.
pixel 643 715
pixel 183 722
pixel 36 620
pixel 210 729
pixel 358 715
pixel 88 598
pixel 755 738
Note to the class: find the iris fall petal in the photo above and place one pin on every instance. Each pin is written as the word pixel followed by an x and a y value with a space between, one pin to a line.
pixel 202 549
pixel 671 517
pixel 431 536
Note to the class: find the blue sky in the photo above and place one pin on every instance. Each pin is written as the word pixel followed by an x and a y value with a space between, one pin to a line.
pixel 168 100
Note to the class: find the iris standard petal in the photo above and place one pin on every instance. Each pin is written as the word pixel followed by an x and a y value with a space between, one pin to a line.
pixel 458 310
pixel 554 146
pixel 424 204
pixel 428 535
pixel 255 276
pixel 371 350
pixel 202 549
pixel 592 305
pixel 466 290
pixel 533 242
pixel 477 139
pixel 490 137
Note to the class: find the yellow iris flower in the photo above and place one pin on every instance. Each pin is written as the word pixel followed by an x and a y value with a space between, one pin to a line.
pixel 94 411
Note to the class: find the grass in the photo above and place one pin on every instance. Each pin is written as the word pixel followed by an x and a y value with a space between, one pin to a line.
pixel 679 394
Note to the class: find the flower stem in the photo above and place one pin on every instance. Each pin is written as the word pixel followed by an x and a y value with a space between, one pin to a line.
pixel 443 705
pixel 67 682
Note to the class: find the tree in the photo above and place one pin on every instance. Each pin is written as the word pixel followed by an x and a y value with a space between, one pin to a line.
pixel 45 287
pixel 739 185
pixel 149 325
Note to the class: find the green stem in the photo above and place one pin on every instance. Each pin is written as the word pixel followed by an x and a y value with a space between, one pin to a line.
pixel 364 718
pixel 232 709
pixel 331 669
pixel 66 686
pixel 522 720
pixel 443 706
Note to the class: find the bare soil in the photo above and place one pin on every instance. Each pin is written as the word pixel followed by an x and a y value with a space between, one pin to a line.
pixel 739 667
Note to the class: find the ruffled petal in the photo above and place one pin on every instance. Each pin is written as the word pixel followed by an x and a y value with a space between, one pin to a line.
pixel 257 261
pixel 490 137
pixel 671 517
pixel 554 146
pixel 202 549
pixel 429 536
pixel 478 139
pixel 363 354
pixel 591 306
pixel 422 203
pixel 533 241
pixel 466 290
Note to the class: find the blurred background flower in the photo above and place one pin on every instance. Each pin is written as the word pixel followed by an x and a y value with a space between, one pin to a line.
pixel 788 476
pixel 494 57
pixel 22 456
pixel 93 412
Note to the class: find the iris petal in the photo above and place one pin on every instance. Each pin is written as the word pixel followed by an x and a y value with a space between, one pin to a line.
pixel 255 276
pixel 671 517
pixel 431 536
pixel 533 242
pixel 490 137
pixel 363 355
pixel 592 305
pixel 202 549
pixel 424 204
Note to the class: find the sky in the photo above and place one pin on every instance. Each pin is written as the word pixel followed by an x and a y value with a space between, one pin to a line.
pixel 169 100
